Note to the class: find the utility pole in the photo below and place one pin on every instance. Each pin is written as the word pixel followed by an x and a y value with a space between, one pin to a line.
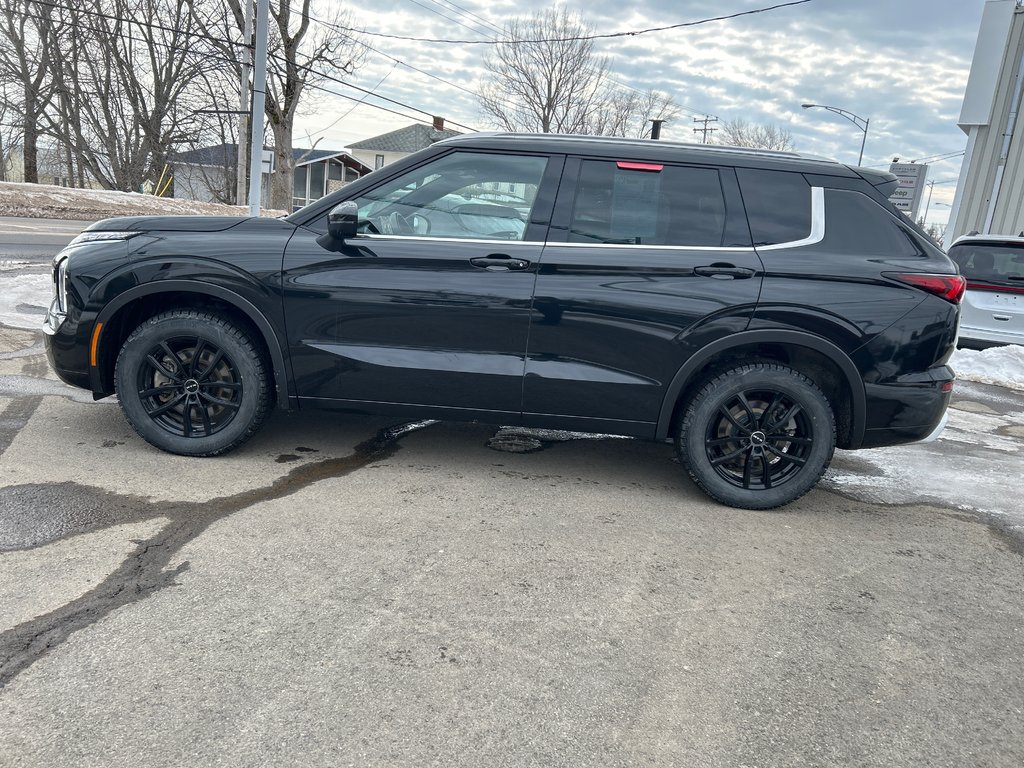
pixel 705 131
pixel 244 106
pixel 259 101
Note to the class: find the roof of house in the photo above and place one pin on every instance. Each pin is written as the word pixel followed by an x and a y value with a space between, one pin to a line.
pixel 227 154
pixel 412 138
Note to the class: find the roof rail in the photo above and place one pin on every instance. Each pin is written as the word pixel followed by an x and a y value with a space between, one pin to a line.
pixel 556 137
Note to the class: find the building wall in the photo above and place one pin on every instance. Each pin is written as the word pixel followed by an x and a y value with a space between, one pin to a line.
pixel 990 194
pixel 369 156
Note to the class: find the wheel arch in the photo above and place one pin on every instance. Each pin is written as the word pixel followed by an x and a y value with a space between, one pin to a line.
pixel 819 359
pixel 123 313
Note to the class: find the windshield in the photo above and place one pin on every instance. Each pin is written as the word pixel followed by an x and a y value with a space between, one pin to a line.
pixel 997 265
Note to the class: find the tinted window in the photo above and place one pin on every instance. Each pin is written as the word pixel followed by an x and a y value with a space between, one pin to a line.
pixel 778 205
pixel 856 225
pixel 464 195
pixel 670 206
pixel 996 264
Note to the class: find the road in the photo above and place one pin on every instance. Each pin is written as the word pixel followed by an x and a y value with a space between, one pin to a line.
pixel 338 593
pixel 35 240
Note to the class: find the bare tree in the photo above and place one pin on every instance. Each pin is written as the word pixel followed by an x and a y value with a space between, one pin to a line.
pixel 25 31
pixel 540 79
pixel 11 127
pixel 545 77
pixel 122 85
pixel 740 133
pixel 629 113
pixel 306 48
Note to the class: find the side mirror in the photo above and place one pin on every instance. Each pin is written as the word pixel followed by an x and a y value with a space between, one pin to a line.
pixel 343 220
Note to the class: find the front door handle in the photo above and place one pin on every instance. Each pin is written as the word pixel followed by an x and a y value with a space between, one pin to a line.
pixel 724 271
pixel 500 262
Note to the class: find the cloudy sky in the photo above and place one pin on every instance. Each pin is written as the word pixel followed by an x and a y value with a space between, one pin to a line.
pixel 902 64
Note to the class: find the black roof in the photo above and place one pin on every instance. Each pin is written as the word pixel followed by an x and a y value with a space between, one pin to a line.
pixel 641 149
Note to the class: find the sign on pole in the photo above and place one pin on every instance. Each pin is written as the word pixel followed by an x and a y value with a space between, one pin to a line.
pixel 908 195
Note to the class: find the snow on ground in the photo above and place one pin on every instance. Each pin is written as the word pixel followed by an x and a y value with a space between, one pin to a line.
pixel 50 202
pixel 1002 366
pixel 24 298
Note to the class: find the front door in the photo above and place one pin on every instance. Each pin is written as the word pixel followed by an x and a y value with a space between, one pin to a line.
pixel 429 304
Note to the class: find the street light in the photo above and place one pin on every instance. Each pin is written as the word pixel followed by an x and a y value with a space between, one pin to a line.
pixel 931 188
pixel 860 122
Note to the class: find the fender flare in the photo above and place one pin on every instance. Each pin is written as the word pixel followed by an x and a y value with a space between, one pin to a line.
pixel 858 400
pixel 270 337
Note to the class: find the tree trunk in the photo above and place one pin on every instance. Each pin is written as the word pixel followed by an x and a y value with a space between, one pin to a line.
pixel 31 141
pixel 282 179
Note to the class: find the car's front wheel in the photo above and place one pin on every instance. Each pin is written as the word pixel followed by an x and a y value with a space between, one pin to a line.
pixel 757 436
pixel 192 382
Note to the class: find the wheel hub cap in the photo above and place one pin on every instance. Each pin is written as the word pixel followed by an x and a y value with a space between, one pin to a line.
pixel 191 387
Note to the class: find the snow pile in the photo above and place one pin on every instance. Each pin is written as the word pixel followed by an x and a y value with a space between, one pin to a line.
pixel 24 299
pixel 1002 366
pixel 50 202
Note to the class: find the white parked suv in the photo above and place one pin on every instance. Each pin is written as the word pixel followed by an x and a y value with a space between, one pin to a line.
pixel 993 308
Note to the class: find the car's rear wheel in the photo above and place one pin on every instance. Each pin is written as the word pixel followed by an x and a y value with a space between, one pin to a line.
pixel 757 436
pixel 192 383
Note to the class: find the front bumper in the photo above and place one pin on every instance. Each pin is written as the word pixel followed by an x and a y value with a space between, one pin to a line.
pixel 65 350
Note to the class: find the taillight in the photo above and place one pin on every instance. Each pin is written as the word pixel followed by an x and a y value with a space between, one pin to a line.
pixel 949 287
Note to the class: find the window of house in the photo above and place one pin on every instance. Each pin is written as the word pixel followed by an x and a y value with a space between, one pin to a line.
pixel 648 204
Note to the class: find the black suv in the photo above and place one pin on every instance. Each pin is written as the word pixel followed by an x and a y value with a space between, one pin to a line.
pixel 758 308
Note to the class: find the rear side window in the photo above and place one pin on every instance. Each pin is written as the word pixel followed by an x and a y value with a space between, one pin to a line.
pixel 648 204
pixel 993 264
pixel 858 226
pixel 778 205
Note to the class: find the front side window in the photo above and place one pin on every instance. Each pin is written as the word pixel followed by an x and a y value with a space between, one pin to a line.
pixel 461 195
pixel 648 204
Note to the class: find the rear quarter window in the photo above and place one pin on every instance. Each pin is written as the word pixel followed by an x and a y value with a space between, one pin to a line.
pixel 856 225
pixel 778 205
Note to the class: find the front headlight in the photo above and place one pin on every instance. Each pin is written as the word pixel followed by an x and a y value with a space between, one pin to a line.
pixel 60 285
pixel 92 237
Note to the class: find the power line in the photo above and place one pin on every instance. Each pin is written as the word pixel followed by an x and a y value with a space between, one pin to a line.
pixel 306 68
pixel 605 36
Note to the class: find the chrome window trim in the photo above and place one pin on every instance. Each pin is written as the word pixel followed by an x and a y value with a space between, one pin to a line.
pixel 649 247
pixel 817 225
pixel 816 235
pixel 429 239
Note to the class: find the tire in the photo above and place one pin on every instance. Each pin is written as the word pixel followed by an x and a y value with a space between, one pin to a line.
pixel 757 437
pixel 192 382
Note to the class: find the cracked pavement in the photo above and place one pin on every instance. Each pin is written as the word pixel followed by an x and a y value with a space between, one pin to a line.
pixel 338 593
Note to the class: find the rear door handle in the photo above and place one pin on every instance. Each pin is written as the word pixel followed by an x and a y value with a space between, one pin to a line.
pixel 724 272
pixel 500 262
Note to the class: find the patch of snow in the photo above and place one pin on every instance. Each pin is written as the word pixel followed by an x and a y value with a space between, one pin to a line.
pixel 44 201
pixel 1002 366
pixel 24 299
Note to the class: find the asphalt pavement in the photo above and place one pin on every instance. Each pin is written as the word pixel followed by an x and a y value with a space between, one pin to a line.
pixel 35 240
pixel 350 591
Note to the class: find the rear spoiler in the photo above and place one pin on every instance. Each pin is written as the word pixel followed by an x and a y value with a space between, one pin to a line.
pixel 883 181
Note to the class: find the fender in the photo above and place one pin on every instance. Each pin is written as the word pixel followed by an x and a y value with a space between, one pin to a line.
pixel 778 336
pixel 278 364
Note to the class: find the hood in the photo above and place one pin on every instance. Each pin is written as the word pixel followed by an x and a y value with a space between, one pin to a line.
pixel 168 223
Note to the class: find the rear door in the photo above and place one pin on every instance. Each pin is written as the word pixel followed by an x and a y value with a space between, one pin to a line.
pixel 646 262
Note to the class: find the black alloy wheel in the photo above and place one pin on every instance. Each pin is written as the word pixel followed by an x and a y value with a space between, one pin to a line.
pixel 189 386
pixel 758 436
pixel 192 383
